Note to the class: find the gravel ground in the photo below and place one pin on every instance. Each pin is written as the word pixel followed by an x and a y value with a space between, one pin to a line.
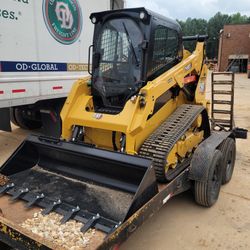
pixel 182 224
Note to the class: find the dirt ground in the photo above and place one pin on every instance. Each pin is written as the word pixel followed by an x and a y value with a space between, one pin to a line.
pixel 182 224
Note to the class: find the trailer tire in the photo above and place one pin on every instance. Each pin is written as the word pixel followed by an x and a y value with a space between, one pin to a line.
pixel 24 123
pixel 12 116
pixel 228 150
pixel 207 192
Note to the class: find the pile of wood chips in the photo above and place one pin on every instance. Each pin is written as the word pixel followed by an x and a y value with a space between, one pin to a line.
pixel 3 180
pixel 66 235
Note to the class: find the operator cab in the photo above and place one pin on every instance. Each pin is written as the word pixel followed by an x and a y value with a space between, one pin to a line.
pixel 130 47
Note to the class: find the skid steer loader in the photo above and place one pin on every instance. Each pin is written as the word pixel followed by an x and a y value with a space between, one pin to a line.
pixel 134 133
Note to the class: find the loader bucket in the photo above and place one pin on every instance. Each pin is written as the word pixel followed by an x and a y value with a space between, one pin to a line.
pixel 95 181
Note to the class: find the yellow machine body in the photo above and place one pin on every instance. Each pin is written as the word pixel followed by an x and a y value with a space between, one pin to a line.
pixel 134 121
pixel 139 119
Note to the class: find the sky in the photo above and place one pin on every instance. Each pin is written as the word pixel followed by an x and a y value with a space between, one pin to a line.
pixel 182 9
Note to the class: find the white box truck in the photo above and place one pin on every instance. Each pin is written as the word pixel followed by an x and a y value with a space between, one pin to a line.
pixel 43 50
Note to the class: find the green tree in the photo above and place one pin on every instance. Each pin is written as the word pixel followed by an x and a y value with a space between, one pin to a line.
pixel 215 25
pixel 193 27
pixel 212 27
pixel 239 19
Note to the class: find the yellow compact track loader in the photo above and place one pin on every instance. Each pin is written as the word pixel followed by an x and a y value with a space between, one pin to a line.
pixel 134 133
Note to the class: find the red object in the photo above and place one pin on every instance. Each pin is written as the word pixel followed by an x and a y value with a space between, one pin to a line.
pixel 190 79
pixel 116 247
pixel 18 91
pixel 248 67
pixel 1 92
pixel 53 117
pixel 57 87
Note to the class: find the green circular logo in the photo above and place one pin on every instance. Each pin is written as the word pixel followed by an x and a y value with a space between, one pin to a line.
pixel 63 19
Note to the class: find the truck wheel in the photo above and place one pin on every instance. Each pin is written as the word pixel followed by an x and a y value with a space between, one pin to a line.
pixel 207 192
pixel 228 150
pixel 12 116
pixel 23 122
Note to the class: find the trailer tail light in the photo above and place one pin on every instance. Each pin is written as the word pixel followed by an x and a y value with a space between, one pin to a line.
pixel 1 92
pixel 14 91
pixel 248 67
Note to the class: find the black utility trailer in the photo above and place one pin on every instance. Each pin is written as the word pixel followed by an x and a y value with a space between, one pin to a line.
pixel 94 187
pixel 203 171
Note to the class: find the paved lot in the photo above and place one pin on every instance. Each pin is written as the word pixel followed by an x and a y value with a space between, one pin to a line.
pixel 182 224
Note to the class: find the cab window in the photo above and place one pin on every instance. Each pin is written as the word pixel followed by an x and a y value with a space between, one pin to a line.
pixel 165 47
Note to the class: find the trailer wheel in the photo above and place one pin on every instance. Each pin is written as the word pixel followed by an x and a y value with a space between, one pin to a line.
pixel 12 116
pixel 206 193
pixel 23 122
pixel 228 150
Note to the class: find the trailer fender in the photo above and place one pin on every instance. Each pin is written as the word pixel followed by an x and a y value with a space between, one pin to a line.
pixel 203 155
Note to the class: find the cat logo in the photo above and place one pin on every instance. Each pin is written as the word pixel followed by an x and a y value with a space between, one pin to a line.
pixel 63 19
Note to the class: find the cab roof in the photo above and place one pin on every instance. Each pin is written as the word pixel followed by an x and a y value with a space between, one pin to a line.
pixel 135 14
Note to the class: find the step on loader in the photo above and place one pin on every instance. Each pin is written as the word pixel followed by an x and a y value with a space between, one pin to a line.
pixel 135 133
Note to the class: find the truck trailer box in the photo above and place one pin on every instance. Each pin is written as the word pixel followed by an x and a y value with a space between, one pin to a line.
pixel 43 50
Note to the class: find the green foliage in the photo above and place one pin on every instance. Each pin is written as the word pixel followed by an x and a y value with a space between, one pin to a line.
pixel 212 27
pixel 239 19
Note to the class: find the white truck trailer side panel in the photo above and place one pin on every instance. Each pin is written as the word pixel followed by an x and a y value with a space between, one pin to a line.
pixel 34 65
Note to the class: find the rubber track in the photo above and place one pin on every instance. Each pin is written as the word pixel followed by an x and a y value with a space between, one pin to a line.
pixel 162 140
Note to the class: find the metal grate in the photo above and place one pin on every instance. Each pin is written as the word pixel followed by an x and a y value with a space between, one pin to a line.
pixel 115 47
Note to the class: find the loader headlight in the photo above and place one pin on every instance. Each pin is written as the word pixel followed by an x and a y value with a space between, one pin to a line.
pixel 142 15
pixel 93 20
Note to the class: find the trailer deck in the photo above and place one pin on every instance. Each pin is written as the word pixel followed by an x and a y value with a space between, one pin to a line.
pixel 14 213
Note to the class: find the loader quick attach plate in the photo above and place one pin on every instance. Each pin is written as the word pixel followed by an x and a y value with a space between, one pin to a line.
pixel 99 188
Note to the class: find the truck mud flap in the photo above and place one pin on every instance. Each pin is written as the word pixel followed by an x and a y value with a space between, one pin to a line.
pixel 5 119
pixel 97 187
